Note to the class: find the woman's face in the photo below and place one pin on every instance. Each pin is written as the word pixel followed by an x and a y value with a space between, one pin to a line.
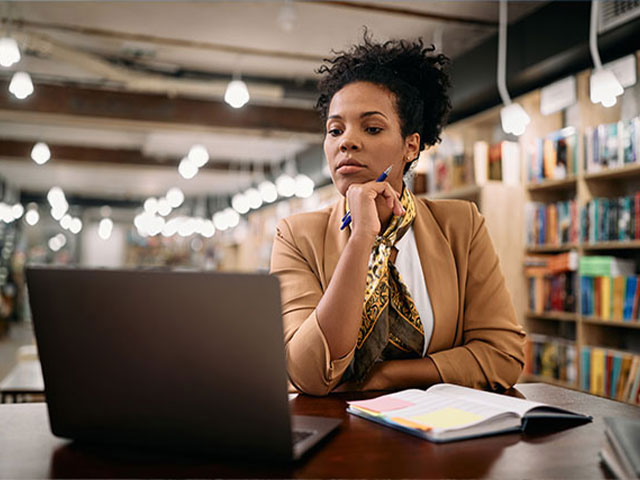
pixel 364 137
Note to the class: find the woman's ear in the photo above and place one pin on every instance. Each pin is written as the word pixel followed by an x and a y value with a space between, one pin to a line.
pixel 412 147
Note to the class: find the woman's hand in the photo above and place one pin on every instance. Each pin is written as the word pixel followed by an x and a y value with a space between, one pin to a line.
pixel 371 205
pixel 377 380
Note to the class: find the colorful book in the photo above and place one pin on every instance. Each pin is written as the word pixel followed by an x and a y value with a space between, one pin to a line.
pixel 597 370
pixel 446 412
pixel 615 374
pixel 585 369
pixel 618 296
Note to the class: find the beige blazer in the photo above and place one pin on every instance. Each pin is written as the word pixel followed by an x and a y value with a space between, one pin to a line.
pixel 476 339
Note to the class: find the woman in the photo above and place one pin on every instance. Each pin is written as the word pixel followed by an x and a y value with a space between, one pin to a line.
pixel 435 307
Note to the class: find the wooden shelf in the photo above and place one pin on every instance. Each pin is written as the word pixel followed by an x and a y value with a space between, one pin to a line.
pixel 557 316
pixel 551 248
pixel 631 170
pixel 463 193
pixel 529 377
pixel 620 245
pixel 610 323
pixel 548 185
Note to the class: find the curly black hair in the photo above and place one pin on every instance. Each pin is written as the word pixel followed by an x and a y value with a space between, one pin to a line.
pixel 415 75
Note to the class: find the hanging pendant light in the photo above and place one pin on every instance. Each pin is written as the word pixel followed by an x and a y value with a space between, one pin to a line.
pixel 9 52
pixel 40 153
pixel 604 87
pixel 237 93
pixel 513 117
pixel 21 85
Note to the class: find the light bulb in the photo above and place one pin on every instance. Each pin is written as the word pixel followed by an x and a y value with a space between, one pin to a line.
pixel 268 191
pixel 151 205
pixel 175 197
pixel 76 225
pixel 240 203
pixel 254 198
pixel 32 217
pixel 286 185
pixel 187 168
pixel 604 87
pixel 514 119
pixel 237 94
pixel 164 208
pixel 9 52
pixel 17 210
pixel 40 153
pixel 198 155
pixel 21 85
pixel 54 244
pixel 208 229
pixel 304 186
pixel 171 227
pixel 65 222
pixel 220 221
pixel 105 227
pixel 56 197
pixel 5 213
pixel 232 217
pixel 57 213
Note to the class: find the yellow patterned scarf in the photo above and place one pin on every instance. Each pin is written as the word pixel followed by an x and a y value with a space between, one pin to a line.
pixel 391 326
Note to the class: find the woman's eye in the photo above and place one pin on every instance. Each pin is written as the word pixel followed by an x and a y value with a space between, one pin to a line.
pixel 373 130
pixel 334 132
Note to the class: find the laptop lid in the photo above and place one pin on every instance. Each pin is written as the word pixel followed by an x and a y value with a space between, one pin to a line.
pixel 177 359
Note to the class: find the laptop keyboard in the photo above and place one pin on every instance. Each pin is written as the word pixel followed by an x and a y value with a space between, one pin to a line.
pixel 300 435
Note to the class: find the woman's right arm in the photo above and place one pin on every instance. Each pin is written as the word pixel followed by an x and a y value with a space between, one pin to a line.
pixel 321 328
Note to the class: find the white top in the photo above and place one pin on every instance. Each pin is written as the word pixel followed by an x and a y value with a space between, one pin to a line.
pixel 410 269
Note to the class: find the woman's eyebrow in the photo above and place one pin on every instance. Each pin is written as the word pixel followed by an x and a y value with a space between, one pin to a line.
pixel 362 115
pixel 373 112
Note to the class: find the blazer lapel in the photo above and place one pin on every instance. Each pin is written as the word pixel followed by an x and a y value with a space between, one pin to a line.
pixel 440 274
pixel 335 241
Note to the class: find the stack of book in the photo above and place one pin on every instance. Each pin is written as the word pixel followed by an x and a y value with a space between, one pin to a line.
pixel 610 373
pixel 609 288
pixel 551 224
pixel 611 219
pixel 551 357
pixel 554 157
pixel 621 452
pixel 551 282
pixel 500 162
pixel 448 168
pixel 612 145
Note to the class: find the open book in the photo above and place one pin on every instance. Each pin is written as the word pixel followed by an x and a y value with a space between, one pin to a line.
pixel 446 412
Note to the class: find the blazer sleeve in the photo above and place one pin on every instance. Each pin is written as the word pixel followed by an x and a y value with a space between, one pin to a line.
pixel 309 363
pixel 492 350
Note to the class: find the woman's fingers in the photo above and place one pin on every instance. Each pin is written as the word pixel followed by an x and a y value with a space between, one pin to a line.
pixel 390 195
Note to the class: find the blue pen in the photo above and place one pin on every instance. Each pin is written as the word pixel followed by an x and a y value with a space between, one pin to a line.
pixel 346 220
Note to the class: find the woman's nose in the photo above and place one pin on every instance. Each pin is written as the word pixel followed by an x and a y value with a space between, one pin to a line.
pixel 349 142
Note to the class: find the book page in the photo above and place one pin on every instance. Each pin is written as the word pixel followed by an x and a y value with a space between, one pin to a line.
pixel 503 403
pixel 432 411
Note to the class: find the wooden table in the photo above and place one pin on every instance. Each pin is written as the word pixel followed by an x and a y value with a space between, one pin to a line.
pixel 24 380
pixel 361 449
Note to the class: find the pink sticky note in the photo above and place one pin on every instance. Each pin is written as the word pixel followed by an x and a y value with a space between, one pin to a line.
pixel 385 403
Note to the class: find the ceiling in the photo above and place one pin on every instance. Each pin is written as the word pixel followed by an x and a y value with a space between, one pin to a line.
pixel 125 88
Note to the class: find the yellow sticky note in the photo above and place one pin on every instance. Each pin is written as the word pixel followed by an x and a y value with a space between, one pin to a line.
pixel 447 417
pixel 410 424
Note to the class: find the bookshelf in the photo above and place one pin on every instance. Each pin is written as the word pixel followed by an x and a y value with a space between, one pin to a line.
pixel 613 337
pixel 576 187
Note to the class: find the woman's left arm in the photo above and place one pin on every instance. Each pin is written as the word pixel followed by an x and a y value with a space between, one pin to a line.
pixel 492 353
pixel 492 350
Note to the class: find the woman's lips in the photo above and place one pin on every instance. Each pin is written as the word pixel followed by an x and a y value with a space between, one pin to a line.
pixel 350 168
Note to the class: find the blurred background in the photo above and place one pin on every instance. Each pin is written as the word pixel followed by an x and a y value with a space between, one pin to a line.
pixel 178 133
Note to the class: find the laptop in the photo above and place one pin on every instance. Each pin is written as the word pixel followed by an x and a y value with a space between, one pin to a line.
pixel 179 360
